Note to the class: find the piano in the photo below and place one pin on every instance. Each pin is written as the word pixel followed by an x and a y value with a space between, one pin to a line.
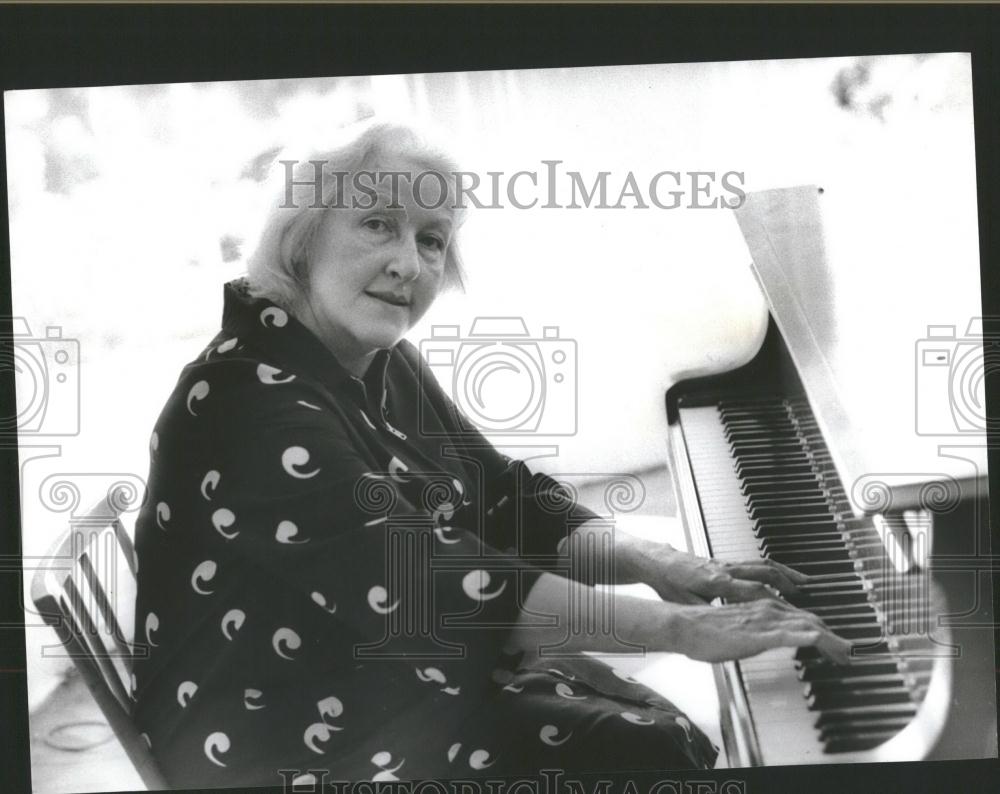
pixel 806 456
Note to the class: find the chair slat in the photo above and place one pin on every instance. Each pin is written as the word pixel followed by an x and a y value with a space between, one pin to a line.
pixel 125 543
pixel 89 637
pixel 63 597
pixel 107 613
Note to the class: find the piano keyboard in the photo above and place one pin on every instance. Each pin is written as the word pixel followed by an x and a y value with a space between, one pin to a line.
pixel 767 488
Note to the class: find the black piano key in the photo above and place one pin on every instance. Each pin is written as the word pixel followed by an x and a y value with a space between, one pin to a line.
pixel 776 452
pixel 751 467
pixel 754 492
pixel 877 724
pixel 869 631
pixel 798 558
pixel 781 497
pixel 884 696
pixel 816 672
pixel 759 415
pixel 840 716
pixel 766 484
pixel 762 466
pixel 837 566
pixel 808 503
pixel 783 477
pixel 829 603
pixel 762 420
pixel 781 529
pixel 808 513
pixel 820 522
pixel 808 654
pixel 818 585
pixel 859 632
pixel 812 488
pixel 829 599
pixel 794 543
pixel 832 610
pixel 789 534
pixel 871 650
pixel 852 617
pixel 817 549
pixel 761 410
pixel 806 507
pixel 853 684
pixel 802 547
pixel 779 425
pixel 800 473
pixel 772 458
pixel 756 434
pixel 856 744
pixel 813 537
pixel 824 611
pixel 753 477
pixel 781 441
pixel 785 439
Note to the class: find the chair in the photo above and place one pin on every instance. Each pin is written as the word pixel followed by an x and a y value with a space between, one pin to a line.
pixel 87 572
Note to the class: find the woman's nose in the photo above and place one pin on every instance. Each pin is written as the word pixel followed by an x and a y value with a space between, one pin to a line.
pixel 405 262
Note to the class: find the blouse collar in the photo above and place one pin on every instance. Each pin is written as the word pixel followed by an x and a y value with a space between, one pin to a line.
pixel 281 337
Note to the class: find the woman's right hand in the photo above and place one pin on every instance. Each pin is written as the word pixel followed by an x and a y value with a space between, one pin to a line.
pixel 736 631
pixel 703 632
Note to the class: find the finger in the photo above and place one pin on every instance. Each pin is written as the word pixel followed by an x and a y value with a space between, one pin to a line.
pixel 789 638
pixel 807 619
pixel 834 648
pixel 769 574
pixel 747 590
pixel 796 576
pixel 682 597
pixel 789 573
pixel 679 595
pixel 831 647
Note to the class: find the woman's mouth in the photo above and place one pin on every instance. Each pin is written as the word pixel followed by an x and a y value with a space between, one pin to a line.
pixel 391 298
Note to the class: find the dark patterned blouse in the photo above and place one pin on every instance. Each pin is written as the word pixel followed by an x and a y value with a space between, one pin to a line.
pixel 329 568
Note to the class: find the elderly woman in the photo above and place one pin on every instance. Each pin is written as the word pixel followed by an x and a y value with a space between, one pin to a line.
pixel 336 572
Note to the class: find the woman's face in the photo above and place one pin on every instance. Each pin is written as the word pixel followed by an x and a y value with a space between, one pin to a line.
pixel 374 272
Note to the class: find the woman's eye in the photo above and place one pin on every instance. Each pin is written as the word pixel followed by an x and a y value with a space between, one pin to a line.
pixel 376 225
pixel 433 242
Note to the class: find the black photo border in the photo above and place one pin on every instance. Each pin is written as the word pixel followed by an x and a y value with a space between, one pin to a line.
pixel 44 46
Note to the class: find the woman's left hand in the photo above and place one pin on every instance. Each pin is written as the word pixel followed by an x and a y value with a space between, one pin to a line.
pixel 686 579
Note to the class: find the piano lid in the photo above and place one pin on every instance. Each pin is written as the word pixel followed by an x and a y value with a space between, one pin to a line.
pixel 877 300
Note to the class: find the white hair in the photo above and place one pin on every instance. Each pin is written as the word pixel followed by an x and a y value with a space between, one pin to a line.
pixel 278 269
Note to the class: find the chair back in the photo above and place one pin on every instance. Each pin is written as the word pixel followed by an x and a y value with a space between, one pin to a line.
pixel 85 589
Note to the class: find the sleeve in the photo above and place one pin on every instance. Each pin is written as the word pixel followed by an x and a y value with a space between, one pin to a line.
pixel 292 493
pixel 526 512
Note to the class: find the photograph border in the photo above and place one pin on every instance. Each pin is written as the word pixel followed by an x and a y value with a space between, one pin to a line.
pixel 68 45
